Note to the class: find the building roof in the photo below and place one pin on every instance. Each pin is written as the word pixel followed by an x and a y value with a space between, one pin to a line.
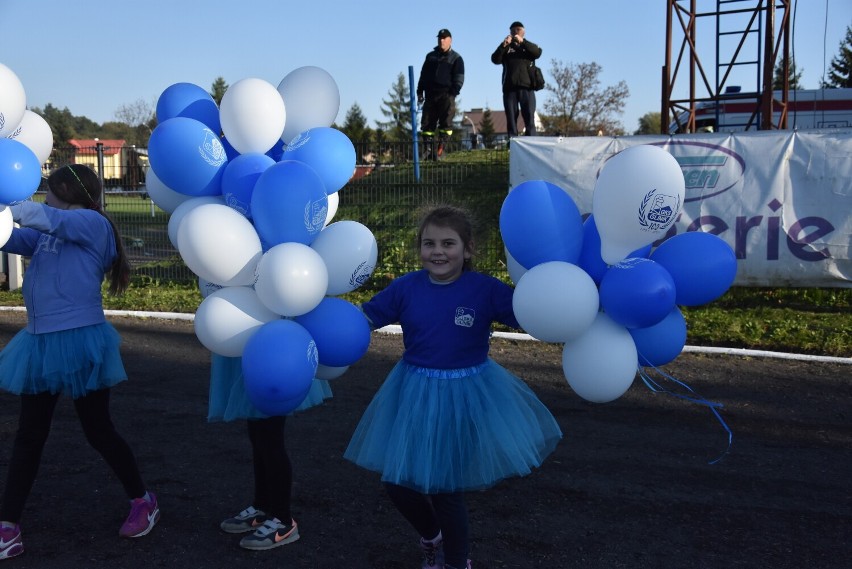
pixel 498 119
pixel 89 145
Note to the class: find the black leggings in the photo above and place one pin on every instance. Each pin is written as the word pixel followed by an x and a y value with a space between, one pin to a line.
pixel 33 429
pixel 273 473
pixel 433 513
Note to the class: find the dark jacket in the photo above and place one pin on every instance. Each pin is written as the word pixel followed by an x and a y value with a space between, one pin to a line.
pixel 442 72
pixel 516 60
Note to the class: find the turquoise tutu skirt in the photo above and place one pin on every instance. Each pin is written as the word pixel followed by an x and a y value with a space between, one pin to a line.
pixel 439 431
pixel 71 362
pixel 228 399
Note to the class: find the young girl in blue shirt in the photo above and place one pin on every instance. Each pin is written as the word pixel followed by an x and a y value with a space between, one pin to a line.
pixel 68 347
pixel 448 419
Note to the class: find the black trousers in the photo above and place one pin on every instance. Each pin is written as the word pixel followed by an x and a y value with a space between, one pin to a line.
pixel 433 513
pixel 523 100
pixel 33 428
pixel 273 472
pixel 438 112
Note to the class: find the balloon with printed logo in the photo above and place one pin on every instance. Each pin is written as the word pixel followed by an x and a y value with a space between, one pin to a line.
pixel 311 98
pixel 206 288
pixel 340 329
pixel 34 132
pixel 239 178
pixel 328 151
pixel 637 293
pixel 539 222
pixel 279 363
pixel 227 318
pixel 219 245
pixel 637 198
pixel 289 203
pixel 661 343
pixel 702 265
pixel 291 279
pixel 20 171
pixel 590 255
pixel 163 196
pixel 13 101
pixel 555 301
pixel 253 115
pixel 187 156
pixel 6 224
pixel 349 251
pixel 190 101
pixel 182 209
pixel 601 363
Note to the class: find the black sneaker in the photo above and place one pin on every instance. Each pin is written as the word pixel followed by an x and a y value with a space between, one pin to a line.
pixel 248 520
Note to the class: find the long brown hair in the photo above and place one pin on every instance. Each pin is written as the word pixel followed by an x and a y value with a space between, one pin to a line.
pixel 79 185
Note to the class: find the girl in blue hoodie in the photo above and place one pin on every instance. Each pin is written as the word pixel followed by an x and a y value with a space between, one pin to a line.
pixel 68 347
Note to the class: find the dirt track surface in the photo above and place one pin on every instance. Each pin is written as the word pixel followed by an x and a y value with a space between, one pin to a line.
pixel 628 487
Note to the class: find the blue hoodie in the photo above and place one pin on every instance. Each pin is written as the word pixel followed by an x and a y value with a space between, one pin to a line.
pixel 71 251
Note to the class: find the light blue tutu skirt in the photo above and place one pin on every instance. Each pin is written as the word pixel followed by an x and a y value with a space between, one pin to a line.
pixel 71 362
pixel 228 398
pixel 439 431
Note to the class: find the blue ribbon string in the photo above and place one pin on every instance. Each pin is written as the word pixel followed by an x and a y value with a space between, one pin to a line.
pixel 695 398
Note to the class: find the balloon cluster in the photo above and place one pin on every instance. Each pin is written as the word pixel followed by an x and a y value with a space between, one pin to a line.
pixel 251 188
pixel 596 285
pixel 26 142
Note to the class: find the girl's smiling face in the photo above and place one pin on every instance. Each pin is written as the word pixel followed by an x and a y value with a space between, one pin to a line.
pixel 443 253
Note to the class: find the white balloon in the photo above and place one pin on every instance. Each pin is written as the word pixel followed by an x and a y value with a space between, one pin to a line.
pixel 6 224
pixel 516 270
pixel 333 203
pixel 182 209
pixel 206 288
pixel 638 196
pixel 312 99
pixel 253 115
pixel 555 301
pixel 13 101
pixel 227 318
pixel 163 196
pixel 601 364
pixel 330 372
pixel 34 133
pixel 219 245
pixel 349 251
pixel 291 279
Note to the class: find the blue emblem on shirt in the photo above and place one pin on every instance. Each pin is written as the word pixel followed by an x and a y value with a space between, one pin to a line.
pixel 465 316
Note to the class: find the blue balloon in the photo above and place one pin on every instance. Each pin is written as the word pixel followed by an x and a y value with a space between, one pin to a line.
pixel 190 101
pixel 661 343
pixel 539 222
pixel 326 150
pixel 239 178
pixel 20 171
pixel 702 265
pixel 279 364
pixel 637 293
pixel 288 203
pixel 340 329
pixel 590 255
pixel 187 157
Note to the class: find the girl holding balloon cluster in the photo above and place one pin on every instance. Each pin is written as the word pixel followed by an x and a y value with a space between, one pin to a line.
pixel 68 347
pixel 448 419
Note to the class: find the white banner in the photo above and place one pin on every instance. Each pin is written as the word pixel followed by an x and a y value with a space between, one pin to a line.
pixel 782 200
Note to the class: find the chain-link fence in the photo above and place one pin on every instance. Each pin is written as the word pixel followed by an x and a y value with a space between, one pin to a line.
pixel 384 195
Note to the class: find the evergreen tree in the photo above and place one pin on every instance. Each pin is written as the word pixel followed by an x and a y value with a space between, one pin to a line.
pixel 355 125
pixel 397 109
pixel 486 128
pixel 794 76
pixel 217 90
pixel 840 70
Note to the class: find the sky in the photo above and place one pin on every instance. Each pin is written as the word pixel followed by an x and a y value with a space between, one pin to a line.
pixel 95 56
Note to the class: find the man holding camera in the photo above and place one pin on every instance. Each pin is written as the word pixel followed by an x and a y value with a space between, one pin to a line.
pixel 441 80
pixel 516 54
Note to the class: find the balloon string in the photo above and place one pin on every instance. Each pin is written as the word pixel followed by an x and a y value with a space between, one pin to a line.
pixel 712 405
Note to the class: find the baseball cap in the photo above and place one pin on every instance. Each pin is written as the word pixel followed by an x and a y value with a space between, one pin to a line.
pixel 444 33
pixel 516 25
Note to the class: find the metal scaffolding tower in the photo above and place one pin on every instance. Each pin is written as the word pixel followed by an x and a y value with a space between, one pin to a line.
pixel 750 38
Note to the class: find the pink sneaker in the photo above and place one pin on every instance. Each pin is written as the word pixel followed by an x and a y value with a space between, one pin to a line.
pixel 144 515
pixel 10 542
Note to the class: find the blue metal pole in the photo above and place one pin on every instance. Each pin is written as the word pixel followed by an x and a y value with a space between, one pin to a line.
pixel 412 92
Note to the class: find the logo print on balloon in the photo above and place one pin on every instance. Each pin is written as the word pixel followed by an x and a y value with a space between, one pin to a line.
pixel 313 354
pixel 360 275
pixel 315 214
pixel 657 211
pixel 212 150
